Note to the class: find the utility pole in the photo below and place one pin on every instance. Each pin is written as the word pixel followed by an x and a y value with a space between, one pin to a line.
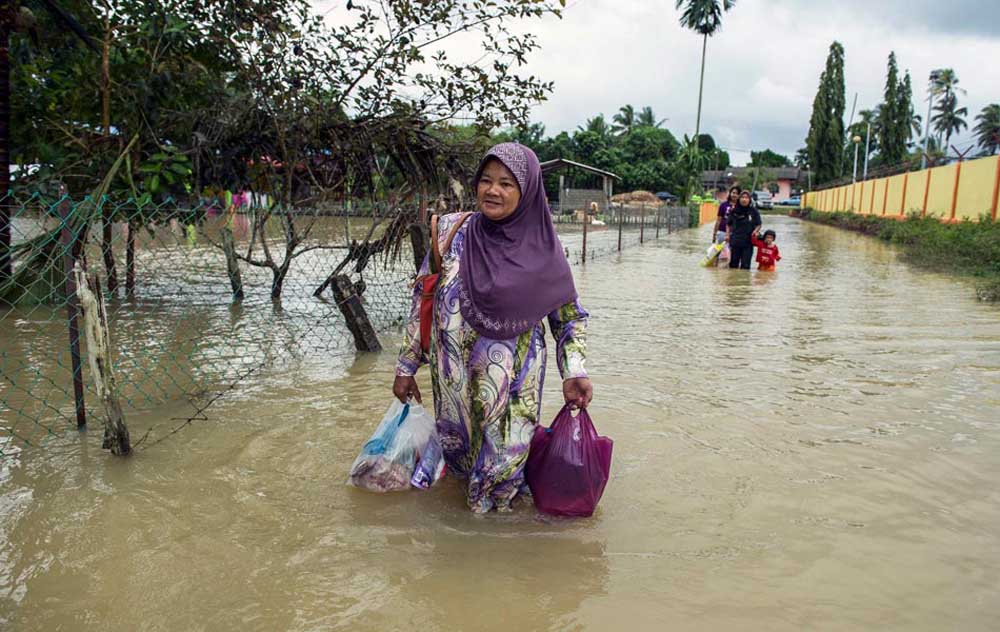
pixel 868 139
pixel 927 128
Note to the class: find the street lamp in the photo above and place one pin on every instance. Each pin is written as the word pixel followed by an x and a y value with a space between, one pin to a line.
pixel 857 144
pixel 934 76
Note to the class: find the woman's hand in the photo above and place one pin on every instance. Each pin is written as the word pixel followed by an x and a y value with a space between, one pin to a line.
pixel 578 391
pixel 404 387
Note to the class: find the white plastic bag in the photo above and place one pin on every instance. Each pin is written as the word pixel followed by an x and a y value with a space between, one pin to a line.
pixel 387 461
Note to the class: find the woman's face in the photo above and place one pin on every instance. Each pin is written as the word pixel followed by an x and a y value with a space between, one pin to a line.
pixel 744 199
pixel 733 194
pixel 498 193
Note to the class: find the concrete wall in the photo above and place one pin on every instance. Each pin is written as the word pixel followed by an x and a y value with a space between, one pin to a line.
pixel 952 192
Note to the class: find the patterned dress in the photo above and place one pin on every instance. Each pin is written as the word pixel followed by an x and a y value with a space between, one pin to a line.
pixel 487 393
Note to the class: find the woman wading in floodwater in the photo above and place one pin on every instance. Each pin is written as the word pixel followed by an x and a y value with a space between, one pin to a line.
pixel 502 270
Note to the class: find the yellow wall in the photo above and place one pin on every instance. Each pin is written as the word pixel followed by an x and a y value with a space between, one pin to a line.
pixel 893 204
pixel 942 187
pixel 975 189
pixel 915 192
pixel 977 185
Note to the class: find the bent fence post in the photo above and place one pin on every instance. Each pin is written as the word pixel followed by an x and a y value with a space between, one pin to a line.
pixel 354 313
pixel 95 324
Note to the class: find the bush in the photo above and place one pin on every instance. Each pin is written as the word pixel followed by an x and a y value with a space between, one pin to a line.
pixel 966 247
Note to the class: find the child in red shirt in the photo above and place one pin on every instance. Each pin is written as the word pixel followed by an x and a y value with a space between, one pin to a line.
pixel 767 252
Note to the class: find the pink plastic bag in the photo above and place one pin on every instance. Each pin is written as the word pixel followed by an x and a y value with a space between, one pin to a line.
pixel 568 465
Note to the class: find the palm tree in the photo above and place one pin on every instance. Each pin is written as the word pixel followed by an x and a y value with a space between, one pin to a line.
pixel 949 119
pixel 624 121
pixel 597 125
pixel 988 129
pixel 704 17
pixel 944 82
pixel 646 118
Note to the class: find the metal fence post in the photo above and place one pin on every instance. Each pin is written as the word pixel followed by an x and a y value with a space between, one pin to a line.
pixel 658 211
pixel 585 211
pixel 68 241
pixel 642 223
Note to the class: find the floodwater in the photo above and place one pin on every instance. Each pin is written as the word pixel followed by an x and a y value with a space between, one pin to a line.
pixel 817 448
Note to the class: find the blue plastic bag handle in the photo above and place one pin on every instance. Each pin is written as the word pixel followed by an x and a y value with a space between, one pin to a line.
pixel 379 444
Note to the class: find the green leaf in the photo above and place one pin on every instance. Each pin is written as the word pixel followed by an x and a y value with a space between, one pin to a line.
pixel 154 184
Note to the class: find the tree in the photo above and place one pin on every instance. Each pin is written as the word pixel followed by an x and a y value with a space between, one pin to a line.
pixel 768 158
pixel 802 158
pixel 894 117
pixel 825 141
pixel 860 128
pixel 703 17
pixel 949 119
pixel 944 82
pixel 987 128
pixel 597 125
pixel 646 118
pixel 624 120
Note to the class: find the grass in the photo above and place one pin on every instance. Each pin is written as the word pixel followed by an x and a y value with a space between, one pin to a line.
pixel 967 248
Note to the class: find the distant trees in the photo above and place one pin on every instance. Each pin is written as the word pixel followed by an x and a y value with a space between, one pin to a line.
pixel 987 128
pixel 825 140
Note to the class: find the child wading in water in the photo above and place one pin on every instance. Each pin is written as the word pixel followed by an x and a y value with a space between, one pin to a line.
pixel 767 252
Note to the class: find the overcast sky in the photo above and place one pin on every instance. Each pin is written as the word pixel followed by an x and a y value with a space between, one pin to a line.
pixel 762 68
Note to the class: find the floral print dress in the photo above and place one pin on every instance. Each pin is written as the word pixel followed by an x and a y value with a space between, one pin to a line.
pixel 487 393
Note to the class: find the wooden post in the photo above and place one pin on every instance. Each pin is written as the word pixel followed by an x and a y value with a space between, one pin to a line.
pixel 871 202
pixel 642 223
pixel 232 264
pixel 885 196
pixel 68 242
pixel 927 191
pixel 658 211
pixel 902 202
pixel 996 192
pixel 621 220
pixel 95 324
pixel 354 313
pixel 585 222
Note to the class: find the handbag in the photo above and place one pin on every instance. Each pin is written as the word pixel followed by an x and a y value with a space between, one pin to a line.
pixel 428 282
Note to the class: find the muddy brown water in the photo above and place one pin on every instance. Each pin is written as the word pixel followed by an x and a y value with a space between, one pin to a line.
pixel 817 448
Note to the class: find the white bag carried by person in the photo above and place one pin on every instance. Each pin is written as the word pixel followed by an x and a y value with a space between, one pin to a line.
pixel 389 459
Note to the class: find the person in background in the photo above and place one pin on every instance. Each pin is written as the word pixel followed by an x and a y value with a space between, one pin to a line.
pixel 719 233
pixel 767 251
pixel 743 220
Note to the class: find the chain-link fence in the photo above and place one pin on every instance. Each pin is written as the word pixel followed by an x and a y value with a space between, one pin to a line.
pixel 202 297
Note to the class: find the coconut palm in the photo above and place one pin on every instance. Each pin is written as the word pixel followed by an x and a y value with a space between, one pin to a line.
pixel 646 118
pixel 945 81
pixel 624 121
pixel 988 128
pixel 597 125
pixel 704 17
pixel 949 119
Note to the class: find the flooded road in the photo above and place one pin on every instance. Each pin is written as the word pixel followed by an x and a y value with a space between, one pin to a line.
pixel 817 448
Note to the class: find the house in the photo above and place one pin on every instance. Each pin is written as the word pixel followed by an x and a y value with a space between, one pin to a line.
pixel 789 180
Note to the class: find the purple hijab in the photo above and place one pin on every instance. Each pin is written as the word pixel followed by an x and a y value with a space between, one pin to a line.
pixel 514 271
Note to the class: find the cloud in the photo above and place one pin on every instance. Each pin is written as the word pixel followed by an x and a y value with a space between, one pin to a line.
pixel 762 69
